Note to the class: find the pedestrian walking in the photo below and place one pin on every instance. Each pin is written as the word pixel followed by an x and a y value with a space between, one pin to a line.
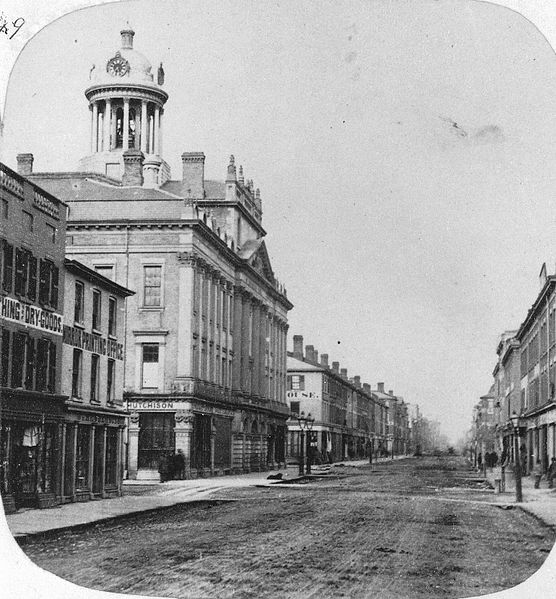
pixel 178 465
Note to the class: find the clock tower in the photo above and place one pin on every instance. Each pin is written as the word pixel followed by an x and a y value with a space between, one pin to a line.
pixel 126 103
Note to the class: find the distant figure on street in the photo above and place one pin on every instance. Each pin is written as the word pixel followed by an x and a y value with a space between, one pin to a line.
pixel 164 469
pixel 178 465
pixel 551 474
pixel 537 473
pixel 480 461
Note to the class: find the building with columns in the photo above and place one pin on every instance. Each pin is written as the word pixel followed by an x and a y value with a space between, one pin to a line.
pixel 205 333
pixel 126 103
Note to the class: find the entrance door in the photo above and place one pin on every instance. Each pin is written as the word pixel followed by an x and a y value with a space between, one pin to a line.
pixel 25 453
pixel 156 438
pixel 201 441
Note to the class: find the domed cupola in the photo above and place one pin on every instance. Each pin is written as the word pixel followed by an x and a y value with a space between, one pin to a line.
pixel 126 103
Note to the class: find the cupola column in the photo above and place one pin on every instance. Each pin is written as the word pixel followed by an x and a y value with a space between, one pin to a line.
pixel 125 124
pixel 107 124
pixel 157 130
pixel 95 127
pixel 144 126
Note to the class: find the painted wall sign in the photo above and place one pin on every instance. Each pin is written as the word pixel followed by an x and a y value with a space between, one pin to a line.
pixel 152 405
pixel 302 395
pixel 93 343
pixel 31 316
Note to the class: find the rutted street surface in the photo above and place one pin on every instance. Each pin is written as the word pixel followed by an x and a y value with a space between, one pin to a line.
pixel 414 528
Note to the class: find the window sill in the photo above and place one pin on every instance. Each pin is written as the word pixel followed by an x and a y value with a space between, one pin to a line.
pixel 112 336
pixel 96 331
pixel 79 325
pixel 151 308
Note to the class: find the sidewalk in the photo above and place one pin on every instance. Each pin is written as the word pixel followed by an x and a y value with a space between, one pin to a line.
pixel 157 495
pixel 540 503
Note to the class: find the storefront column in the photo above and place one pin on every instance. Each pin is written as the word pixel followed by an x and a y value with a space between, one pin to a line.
pixel 91 461
pixel 102 459
pixel 61 464
pixel 183 432
pixel 120 459
pixel 73 460
pixel 212 445
pixel 133 446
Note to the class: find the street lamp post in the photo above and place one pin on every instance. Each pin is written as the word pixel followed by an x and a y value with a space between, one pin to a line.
pixel 517 458
pixel 305 424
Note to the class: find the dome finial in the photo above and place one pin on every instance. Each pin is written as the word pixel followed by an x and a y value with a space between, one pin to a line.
pixel 127 36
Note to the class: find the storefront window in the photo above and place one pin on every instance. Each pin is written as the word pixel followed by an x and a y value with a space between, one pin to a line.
pixel 110 473
pixel 82 457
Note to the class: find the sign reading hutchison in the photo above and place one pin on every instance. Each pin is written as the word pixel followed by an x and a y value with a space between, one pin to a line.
pixel 31 316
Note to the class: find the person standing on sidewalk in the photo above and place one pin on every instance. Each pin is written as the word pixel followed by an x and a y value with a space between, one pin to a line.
pixel 551 474
pixel 537 473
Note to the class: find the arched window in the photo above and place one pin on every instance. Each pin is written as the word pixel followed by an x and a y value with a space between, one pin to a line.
pixel 132 127
pixel 119 127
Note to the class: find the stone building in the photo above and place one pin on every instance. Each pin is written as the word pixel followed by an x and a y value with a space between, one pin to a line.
pixel 350 422
pixel 205 334
pixel 91 453
pixel 32 235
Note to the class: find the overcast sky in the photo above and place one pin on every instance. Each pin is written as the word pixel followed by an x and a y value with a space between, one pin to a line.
pixel 405 153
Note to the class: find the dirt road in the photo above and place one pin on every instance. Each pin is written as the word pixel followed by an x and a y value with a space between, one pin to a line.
pixel 414 528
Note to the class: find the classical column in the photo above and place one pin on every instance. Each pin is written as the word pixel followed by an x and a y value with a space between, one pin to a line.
pixel 125 125
pixel 95 128
pixel 107 124
pixel 92 148
pixel 237 324
pixel 157 130
pixel 151 134
pixel 245 358
pixel 183 433
pixel 133 446
pixel 144 126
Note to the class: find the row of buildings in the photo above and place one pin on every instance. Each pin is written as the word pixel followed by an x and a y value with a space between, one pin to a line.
pixel 141 316
pixel 524 385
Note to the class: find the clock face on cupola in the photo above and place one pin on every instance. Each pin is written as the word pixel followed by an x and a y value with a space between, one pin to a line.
pixel 117 66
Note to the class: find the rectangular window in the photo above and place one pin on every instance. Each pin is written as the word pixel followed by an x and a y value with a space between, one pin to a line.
pixel 29 362
pixel 6 343
pixel 112 314
pixel 48 283
pixel 110 378
pixel 32 278
pixel 294 407
pixel 8 266
pixel 150 366
pixel 152 286
pixel 21 269
pixel 78 309
pixel 95 364
pixel 29 221
pixel 42 364
pixel 106 270
pixel 111 456
pixel 76 376
pixel 96 310
pixel 51 385
pixel 5 209
pixel 297 382
pixel 51 232
pixel 18 360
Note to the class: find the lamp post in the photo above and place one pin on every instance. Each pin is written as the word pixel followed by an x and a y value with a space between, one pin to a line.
pixel 517 458
pixel 305 424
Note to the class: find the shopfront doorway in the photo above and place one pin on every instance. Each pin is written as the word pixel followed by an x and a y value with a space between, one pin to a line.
pixel 156 438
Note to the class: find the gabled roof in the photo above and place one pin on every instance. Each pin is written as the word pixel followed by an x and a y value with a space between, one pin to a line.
pixel 256 255
pixel 294 364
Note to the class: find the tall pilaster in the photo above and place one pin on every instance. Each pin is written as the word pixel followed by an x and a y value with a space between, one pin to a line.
pixel 133 445
pixel 186 274
pixel 183 433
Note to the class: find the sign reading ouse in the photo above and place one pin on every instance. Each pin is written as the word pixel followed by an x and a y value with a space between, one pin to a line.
pixel 31 316
pixel 93 343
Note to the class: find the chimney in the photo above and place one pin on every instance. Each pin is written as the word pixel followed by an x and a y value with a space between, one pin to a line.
pixel 127 38
pixel 151 170
pixel 298 347
pixel 324 360
pixel 194 174
pixel 366 387
pixel 316 356
pixel 336 367
pixel 309 350
pixel 390 392
pixel 25 164
pixel 357 381
pixel 380 387
pixel 344 373
pixel 133 168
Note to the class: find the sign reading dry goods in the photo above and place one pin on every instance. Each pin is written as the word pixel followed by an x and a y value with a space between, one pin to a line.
pixel 93 343
pixel 31 316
